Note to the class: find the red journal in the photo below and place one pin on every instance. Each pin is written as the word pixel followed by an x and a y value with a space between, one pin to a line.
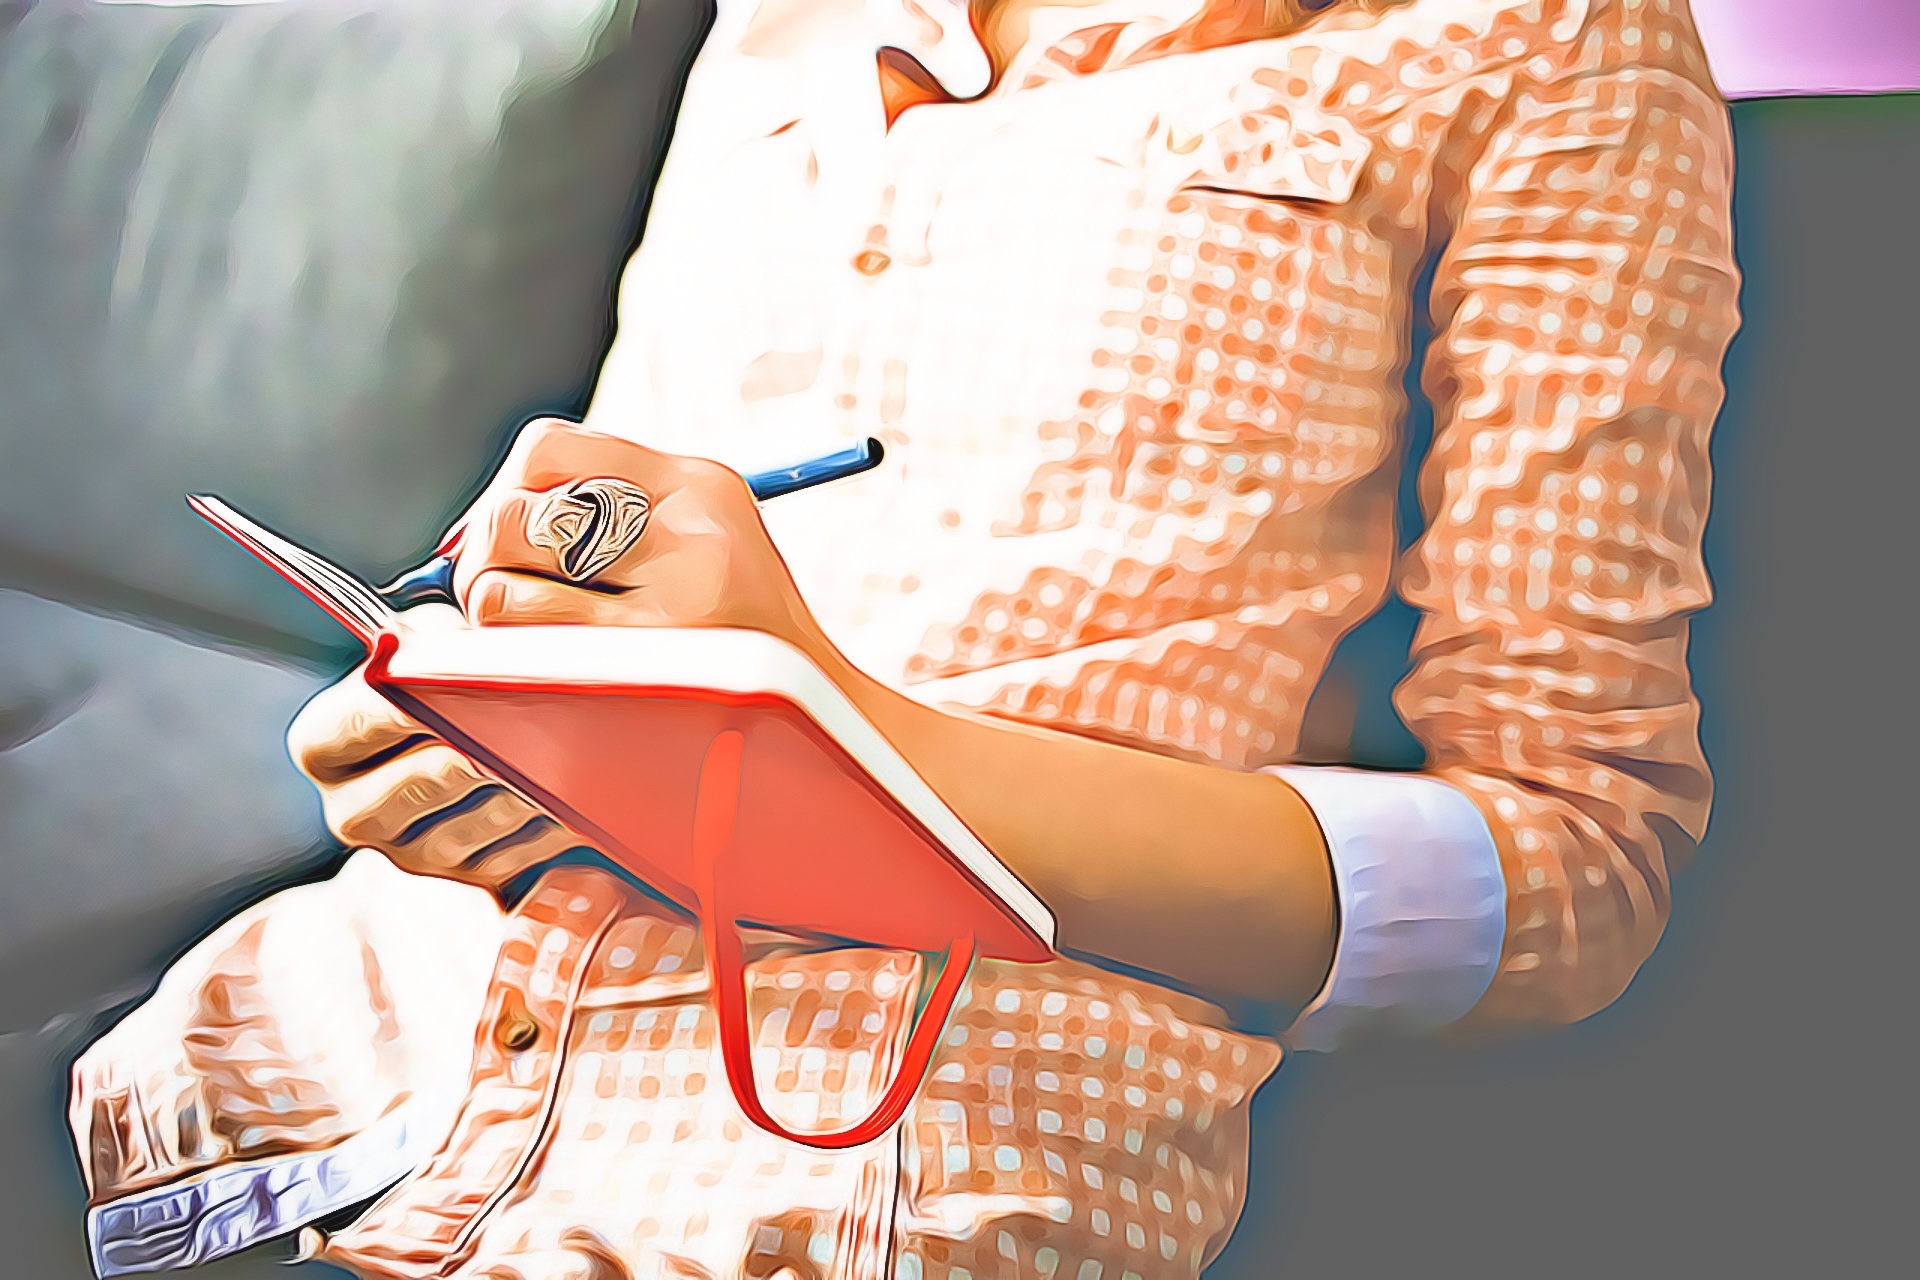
pixel 724 770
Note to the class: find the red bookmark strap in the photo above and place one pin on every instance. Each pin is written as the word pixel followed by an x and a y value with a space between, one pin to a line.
pixel 715 806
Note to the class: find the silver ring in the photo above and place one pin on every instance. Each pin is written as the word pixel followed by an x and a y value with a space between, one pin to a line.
pixel 590 524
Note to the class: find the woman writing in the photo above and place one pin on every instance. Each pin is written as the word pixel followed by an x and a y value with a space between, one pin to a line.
pixel 1125 287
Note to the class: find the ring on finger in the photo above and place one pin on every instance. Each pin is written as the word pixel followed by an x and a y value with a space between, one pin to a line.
pixel 589 524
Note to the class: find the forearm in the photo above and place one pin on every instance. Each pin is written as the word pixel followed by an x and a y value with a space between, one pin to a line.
pixel 1212 877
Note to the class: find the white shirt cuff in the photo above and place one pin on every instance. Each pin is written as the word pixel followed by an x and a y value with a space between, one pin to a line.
pixel 1423 904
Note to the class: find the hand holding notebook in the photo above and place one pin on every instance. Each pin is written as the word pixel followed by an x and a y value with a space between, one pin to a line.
pixel 717 762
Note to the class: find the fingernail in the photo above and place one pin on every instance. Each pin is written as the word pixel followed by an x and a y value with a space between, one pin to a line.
pixel 493 600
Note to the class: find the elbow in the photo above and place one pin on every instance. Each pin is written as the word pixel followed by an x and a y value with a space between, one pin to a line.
pixel 1565 961
pixel 1587 895
pixel 1587 901
pixel 1596 982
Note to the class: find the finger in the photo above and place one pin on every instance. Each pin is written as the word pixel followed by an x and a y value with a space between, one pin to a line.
pixel 501 598
pixel 549 452
pixel 503 536
pixel 498 538
pixel 381 806
pixel 499 529
pixel 540 840
pixel 535 441
pixel 450 837
pixel 349 728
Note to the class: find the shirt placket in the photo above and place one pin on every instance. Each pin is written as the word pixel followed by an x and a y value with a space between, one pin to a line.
pixel 893 247
pixel 428 1223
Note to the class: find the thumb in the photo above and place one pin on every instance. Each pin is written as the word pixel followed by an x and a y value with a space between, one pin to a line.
pixel 502 597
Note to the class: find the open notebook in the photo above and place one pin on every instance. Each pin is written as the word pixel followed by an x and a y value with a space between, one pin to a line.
pixel 723 769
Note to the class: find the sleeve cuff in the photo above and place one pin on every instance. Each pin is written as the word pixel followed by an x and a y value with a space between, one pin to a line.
pixel 232 1208
pixel 1422 904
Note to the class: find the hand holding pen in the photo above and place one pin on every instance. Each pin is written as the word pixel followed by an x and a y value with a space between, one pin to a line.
pixel 591 523
pixel 387 783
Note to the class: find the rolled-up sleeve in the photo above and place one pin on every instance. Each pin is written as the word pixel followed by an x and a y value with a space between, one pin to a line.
pixel 1422 904
pixel 299 1059
pixel 1582 308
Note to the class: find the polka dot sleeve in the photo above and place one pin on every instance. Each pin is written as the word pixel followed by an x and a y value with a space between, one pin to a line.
pixel 1582 310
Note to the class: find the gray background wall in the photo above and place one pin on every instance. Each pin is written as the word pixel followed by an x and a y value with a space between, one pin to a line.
pixel 458 191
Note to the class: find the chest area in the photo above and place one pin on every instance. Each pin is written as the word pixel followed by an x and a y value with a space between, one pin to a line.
pixel 800 170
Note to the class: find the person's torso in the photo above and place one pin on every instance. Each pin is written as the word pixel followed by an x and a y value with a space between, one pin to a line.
pixel 1132 326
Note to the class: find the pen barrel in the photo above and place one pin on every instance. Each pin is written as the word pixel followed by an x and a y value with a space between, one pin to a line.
pixel 864 456
pixel 430 583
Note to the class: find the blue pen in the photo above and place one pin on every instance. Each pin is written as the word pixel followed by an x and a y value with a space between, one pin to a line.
pixel 433 581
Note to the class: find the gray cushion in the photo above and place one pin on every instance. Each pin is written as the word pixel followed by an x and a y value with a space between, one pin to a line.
pixel 318 256
pixel 140 776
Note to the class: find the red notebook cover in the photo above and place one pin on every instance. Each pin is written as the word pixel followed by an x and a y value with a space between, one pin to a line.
pixel 724 770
